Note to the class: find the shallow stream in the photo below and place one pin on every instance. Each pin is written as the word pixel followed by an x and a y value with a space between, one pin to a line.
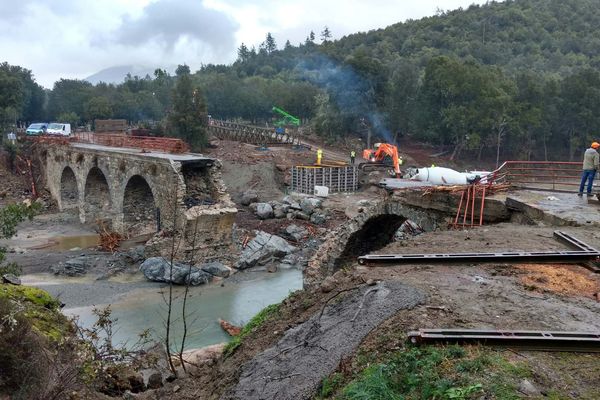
pixel 237 301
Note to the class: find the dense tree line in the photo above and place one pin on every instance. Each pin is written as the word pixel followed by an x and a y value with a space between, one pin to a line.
pixel 516 79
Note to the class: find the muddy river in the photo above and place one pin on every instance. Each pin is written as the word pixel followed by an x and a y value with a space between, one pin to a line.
pixel 236 299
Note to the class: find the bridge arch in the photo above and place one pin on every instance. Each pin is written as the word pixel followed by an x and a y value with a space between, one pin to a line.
pixel 69 189
pixel 139 206
pixel 375 233
pixel 96 195
pixel 370 230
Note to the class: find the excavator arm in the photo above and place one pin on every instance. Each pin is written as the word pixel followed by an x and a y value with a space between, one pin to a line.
pixel 287 118
pixel 390 150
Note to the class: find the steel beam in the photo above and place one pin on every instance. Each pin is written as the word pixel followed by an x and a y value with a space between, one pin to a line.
pixel 583 254
pixel 533 340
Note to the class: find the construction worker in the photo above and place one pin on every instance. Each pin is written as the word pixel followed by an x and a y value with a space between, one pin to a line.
pixel 352 157
pixel 319 156
pixel 591 159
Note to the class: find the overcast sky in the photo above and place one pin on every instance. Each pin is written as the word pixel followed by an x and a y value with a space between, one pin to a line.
pixel 76 38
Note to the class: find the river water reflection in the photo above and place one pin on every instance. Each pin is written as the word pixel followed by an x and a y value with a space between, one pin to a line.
pixel 241 297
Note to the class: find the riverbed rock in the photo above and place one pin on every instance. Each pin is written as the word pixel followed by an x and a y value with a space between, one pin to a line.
pixel 158 269
pixel 264 210
pixel 318 218
pixel 135 255
pixel 248 197
pixel 309 204
pixel 302 215
pixel 196 358
pixel 76 266
pixel 281 210
pixel 295 232
pixel 155 381
pixel 263 249
pixel 216 268
pixel 293 203
pixel 11 278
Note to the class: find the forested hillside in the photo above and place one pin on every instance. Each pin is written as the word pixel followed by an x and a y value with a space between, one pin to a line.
pixel 515 79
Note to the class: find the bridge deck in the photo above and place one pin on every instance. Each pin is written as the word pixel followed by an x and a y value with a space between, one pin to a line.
pixel 191 158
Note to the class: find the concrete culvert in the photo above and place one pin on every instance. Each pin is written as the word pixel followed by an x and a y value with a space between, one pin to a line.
pixel 139 208
pixel 69 194
pixel 97 195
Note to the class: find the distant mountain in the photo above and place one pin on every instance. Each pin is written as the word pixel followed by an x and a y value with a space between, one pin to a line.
pixel 118 73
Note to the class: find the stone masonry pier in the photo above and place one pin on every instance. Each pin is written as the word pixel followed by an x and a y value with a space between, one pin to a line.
pixel 133 192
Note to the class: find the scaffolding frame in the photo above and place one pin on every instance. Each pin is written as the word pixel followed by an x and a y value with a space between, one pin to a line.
pixel 339 179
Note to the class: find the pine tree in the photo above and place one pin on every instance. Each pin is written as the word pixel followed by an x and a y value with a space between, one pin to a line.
pixel 243 53
pixel 325 35
pixel 269 43
pixel 189 119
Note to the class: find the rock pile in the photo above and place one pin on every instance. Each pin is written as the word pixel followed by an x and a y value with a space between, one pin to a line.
pixel 308 209
pixel 158 269
pixel 264 249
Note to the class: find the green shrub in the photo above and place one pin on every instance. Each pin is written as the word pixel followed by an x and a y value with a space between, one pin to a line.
pixel 430 372
pixel 23 365
pixel 259 319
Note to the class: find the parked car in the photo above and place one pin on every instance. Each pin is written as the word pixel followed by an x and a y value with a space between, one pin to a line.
pixel 37 128
pixel 56 128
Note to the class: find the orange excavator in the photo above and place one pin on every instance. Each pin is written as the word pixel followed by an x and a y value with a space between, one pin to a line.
pixel 382 156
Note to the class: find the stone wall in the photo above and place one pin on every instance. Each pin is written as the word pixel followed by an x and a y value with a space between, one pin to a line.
pixel 382 216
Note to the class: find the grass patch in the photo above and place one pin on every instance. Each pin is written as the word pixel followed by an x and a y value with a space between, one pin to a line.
pixel 30 294
pixel 39 308
pixel 259 319
pixel 430 372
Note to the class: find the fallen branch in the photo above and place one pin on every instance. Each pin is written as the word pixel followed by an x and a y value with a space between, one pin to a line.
pixel 109 241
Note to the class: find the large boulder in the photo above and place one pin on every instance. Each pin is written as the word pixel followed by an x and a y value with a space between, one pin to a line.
pixel 293 203
pixel 11 278
pixel 309 204
pixel 216 268
pixel 318 217
pixel 264 210
pixel 198 277
pixel 158 269
pixel 281 210
pixel 264 248
pixel 295 232
pixel 248 197
pixel 76 266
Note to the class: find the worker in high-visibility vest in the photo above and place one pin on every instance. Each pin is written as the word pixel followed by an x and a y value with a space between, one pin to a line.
pixel 319 156
pixel 352 157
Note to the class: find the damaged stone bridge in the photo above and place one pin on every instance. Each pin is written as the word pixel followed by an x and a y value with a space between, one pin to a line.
pixel 134 192
pixel 377 221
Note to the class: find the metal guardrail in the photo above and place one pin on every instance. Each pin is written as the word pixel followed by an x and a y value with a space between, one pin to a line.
pixel 546 175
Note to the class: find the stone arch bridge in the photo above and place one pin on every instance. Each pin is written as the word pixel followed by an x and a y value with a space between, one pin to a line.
pixel 133 192
pixel 376 223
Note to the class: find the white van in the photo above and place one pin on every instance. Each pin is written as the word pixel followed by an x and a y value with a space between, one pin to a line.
pixel 59 129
